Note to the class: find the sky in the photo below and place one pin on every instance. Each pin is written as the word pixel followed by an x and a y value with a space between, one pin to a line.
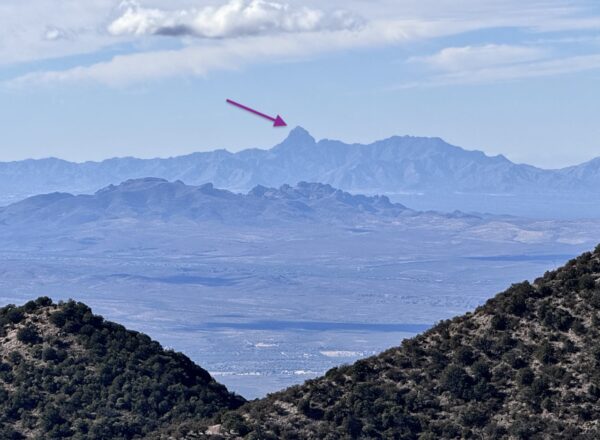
pixel 95 79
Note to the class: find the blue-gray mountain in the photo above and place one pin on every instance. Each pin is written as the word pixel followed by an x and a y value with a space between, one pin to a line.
pixel 138 212
pixel 153 199
pixel 405 165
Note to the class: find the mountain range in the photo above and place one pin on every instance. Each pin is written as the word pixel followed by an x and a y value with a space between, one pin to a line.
pixel 398 165
pixel 139 209
pixel 155 199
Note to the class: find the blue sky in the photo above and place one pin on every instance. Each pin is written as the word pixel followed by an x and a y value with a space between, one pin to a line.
pixel 93 79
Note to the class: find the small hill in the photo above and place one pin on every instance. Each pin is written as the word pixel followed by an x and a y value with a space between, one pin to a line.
pixel 526 365
pixel 67 373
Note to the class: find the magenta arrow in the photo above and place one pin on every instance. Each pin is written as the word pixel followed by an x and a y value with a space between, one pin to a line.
pixel 277 122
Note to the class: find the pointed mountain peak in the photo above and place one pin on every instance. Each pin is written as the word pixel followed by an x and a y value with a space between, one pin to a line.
pixel 300 136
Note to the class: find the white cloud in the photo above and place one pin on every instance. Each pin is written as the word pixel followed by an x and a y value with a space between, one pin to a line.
pixel 230 54
pixel 513 72
pixel 237 33
pixel 40 29
pixel 54 34
pixel 233 19
pixel 475 57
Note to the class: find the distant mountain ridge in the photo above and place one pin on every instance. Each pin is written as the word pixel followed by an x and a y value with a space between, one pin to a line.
pixel 153 199
pixel 394 165
pixel 155 214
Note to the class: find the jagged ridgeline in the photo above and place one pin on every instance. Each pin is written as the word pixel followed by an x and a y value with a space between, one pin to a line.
pixel 67 373
pixel 526 365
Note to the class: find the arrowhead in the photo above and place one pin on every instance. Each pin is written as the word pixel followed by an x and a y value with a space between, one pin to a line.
pixel 279 122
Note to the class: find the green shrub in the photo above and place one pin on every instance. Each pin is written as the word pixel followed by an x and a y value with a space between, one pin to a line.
pixel 456 380
pixel 14 315
pixel 525 377
pixel 28 335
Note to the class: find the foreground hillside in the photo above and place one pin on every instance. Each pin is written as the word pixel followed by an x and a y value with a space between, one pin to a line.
pixel 523 366
pixel 66 373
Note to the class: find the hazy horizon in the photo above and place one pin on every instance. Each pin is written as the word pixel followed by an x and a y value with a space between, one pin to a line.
pixel 285 134
pixel 150 78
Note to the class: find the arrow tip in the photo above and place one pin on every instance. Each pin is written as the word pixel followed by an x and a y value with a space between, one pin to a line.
pixel 279 122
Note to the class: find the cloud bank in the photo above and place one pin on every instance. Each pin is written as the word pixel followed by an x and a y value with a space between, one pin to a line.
pixel 491 63
pixel 473 57
pixel 233 19
pixel 225 54
pixel 122 44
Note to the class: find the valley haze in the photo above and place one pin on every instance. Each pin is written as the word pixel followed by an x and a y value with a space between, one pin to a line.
pixel 275 285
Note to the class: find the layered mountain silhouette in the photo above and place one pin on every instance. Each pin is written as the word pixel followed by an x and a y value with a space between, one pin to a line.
pixel 140 211
pixel 394 165
pixel 157 199
pixel 523 365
